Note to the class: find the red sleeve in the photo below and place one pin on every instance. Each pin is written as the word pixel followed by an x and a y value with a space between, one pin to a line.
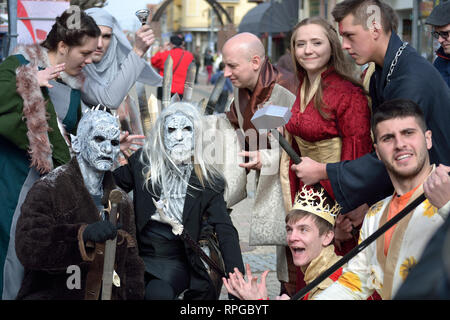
pixel 158 60
pixel 353 117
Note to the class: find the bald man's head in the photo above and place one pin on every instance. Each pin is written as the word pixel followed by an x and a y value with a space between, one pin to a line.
pixel 243 55
pixel 249 44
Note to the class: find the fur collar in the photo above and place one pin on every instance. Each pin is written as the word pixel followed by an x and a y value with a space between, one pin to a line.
pixel 34 105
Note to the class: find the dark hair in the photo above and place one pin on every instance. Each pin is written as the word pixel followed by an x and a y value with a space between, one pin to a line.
pixel 397 108
pixel 71 30
pixel 221 65
pixel 359 9
pixel 342 66
pixel 176 41
pixel 321 224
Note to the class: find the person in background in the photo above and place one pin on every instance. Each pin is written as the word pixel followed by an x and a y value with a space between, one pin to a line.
pixel 208 61
pixel 198 62
pixel 285 61
pixel 439 19
pixel 181 60
pixel 116 65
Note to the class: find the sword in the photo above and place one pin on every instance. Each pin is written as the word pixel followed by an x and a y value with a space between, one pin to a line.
pixel 189 83
pixel 178 229
pixel 153 109
pixel 167 82
pixel 143 107
pixel 215 94
pixel 115 197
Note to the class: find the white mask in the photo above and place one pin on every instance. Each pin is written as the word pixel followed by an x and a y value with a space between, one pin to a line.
pixel 179 137
pixel 101 144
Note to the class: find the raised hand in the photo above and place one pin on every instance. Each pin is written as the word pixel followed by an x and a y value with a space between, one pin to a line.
pixel 128 143
pixel 246 290
pixel 143 40
pixel 50 73
pixel 437 186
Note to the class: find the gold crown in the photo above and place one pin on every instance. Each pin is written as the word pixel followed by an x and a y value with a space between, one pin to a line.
pixel 314 202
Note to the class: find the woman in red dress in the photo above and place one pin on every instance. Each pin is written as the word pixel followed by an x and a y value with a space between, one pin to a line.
pixel 330 118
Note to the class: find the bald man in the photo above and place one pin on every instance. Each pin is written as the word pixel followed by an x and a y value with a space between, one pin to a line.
pixel 257 83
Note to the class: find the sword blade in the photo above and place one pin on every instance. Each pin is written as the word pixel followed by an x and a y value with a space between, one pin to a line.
pixel 189 83
pixel 167 82
pixel 115 197
pixel 215 94
pixel 143 107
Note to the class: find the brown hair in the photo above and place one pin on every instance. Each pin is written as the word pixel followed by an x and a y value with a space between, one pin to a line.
pixel 342 65
pixel 73 36
pixel 397 108
pixel 361 11
pixel 323 225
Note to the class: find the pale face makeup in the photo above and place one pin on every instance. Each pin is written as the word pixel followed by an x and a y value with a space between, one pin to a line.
pixel 179 137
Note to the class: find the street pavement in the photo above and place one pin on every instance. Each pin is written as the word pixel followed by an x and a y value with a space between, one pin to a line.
pixel 260 258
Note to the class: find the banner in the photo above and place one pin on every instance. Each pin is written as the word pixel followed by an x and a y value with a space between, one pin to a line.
pixel 36 30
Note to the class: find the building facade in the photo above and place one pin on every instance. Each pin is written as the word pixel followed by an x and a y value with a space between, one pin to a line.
pixel 198 22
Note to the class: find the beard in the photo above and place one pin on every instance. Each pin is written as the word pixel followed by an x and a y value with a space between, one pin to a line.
pixel 408 174
pixel 181 154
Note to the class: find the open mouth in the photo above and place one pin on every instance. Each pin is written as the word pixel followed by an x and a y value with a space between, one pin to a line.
pixel 297 250
pixel 104 158
pixel 403 157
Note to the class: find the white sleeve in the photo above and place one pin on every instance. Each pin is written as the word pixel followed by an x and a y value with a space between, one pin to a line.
pixel 358 279
pixel 445 210
pixel 113 94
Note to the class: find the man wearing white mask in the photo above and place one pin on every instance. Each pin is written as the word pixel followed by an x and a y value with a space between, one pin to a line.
pixel 116 64
pixel 64 224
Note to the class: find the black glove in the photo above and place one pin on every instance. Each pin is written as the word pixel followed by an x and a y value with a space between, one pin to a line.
pixel 100 231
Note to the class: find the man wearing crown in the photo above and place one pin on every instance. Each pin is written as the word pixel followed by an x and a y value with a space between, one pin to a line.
pixel 62 229
pixel 401 143
pixel 309 234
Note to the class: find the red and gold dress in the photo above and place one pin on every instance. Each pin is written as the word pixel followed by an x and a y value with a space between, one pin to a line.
pixel 345 135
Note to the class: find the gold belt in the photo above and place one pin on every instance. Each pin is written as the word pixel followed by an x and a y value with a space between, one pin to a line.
pixel 324 151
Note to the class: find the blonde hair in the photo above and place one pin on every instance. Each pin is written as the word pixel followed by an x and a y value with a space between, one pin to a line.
pixel 342 65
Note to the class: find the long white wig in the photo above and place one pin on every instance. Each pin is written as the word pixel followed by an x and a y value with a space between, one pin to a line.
pixel 156 159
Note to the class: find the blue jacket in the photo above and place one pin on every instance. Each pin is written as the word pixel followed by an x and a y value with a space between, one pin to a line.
pixel 365 180
pixel 442 63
